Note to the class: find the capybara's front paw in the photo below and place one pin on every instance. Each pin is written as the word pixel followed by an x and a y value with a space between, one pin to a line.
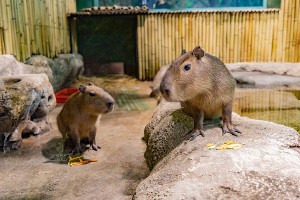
pixel 192 135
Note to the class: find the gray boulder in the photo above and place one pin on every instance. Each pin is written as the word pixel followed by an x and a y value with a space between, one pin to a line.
pixel 279 68
pixel 10 66
pixel 266 166
pixel 25 102
pixel 65 68
pixel 264 80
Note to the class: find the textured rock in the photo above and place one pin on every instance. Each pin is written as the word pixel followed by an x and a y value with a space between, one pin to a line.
pixel 264 80
pixel 159 132
pixel 25 102
pixel 266 166
pixel 65 68
pixel 291 69
pixel 10 66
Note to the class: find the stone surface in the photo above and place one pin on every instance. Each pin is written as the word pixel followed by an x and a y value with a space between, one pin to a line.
pixel 266 166
pixel 65 68
pixel 263 80
pixel 159 132
pixel 29 172
pixel 10 66
pixel 25 102
pixel 283 68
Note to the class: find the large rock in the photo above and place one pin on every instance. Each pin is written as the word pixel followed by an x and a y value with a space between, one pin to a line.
pixel 10 66
pixel 279 68
pixel 25 102
pixel 265 74
pixel 264 80
pixel 266 166
pixel 65 68
pixel 159 132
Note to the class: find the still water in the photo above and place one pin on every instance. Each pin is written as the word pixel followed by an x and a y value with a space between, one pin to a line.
pixel 281 106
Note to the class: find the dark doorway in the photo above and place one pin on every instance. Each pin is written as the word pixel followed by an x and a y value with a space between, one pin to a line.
pixel 108 40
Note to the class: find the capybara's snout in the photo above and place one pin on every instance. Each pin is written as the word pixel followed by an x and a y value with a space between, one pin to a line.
pixel 109 105
pixel 165 88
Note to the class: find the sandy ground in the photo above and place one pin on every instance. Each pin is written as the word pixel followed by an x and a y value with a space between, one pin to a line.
pixel 28 173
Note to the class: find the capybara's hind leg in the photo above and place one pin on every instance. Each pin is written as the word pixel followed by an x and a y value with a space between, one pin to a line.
pixel 92 140
pixel 227 123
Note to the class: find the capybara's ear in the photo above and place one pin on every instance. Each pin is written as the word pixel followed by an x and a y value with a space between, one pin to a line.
pixel 198 52
pixel 183 51
pixel 82 88
pixel 90 84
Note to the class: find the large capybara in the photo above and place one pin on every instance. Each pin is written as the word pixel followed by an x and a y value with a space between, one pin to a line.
pixel 204 86
pixel 77 119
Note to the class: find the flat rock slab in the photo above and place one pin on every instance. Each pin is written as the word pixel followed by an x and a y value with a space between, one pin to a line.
pixel 260 79
pixel 280 68
pixel 266 166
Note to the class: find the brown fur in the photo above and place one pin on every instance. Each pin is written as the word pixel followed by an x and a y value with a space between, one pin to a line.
pixel 204 86
pixel 78 117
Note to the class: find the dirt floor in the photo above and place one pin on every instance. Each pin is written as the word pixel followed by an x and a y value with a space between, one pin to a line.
pixel 28 173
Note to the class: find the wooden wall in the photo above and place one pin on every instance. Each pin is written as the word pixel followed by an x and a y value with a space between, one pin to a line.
pixel 234 36
pixel 35 27
pixel 40 27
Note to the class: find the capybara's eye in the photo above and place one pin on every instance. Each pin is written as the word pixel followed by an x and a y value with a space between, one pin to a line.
pixel 187 67
pixel 92 94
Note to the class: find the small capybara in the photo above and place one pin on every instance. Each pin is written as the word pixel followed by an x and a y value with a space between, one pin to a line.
pixel 205 88
pixel 77 119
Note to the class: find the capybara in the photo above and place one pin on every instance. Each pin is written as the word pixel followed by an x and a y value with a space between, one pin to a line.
pixel 205 88
pixel 77 119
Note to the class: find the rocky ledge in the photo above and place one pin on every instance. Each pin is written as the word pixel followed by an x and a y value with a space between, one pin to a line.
pixel 267 165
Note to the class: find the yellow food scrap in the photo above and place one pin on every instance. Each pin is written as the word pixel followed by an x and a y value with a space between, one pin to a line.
pixel 211 146
pixel 225 146
pixel 79 160
pixel 230 142
pixel 234 146
pixel 222 147
pixel 75 158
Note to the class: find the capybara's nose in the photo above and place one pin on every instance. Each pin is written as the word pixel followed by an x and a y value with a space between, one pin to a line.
pixel 167 92
pixel 110 104
pixel 164 90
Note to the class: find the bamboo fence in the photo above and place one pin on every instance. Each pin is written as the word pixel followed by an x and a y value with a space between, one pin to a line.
pixel 35 27
pixel 267 35
pixel 41 27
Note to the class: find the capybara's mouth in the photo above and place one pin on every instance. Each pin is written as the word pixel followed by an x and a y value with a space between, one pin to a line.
pixel 109 109
pixel 169 98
